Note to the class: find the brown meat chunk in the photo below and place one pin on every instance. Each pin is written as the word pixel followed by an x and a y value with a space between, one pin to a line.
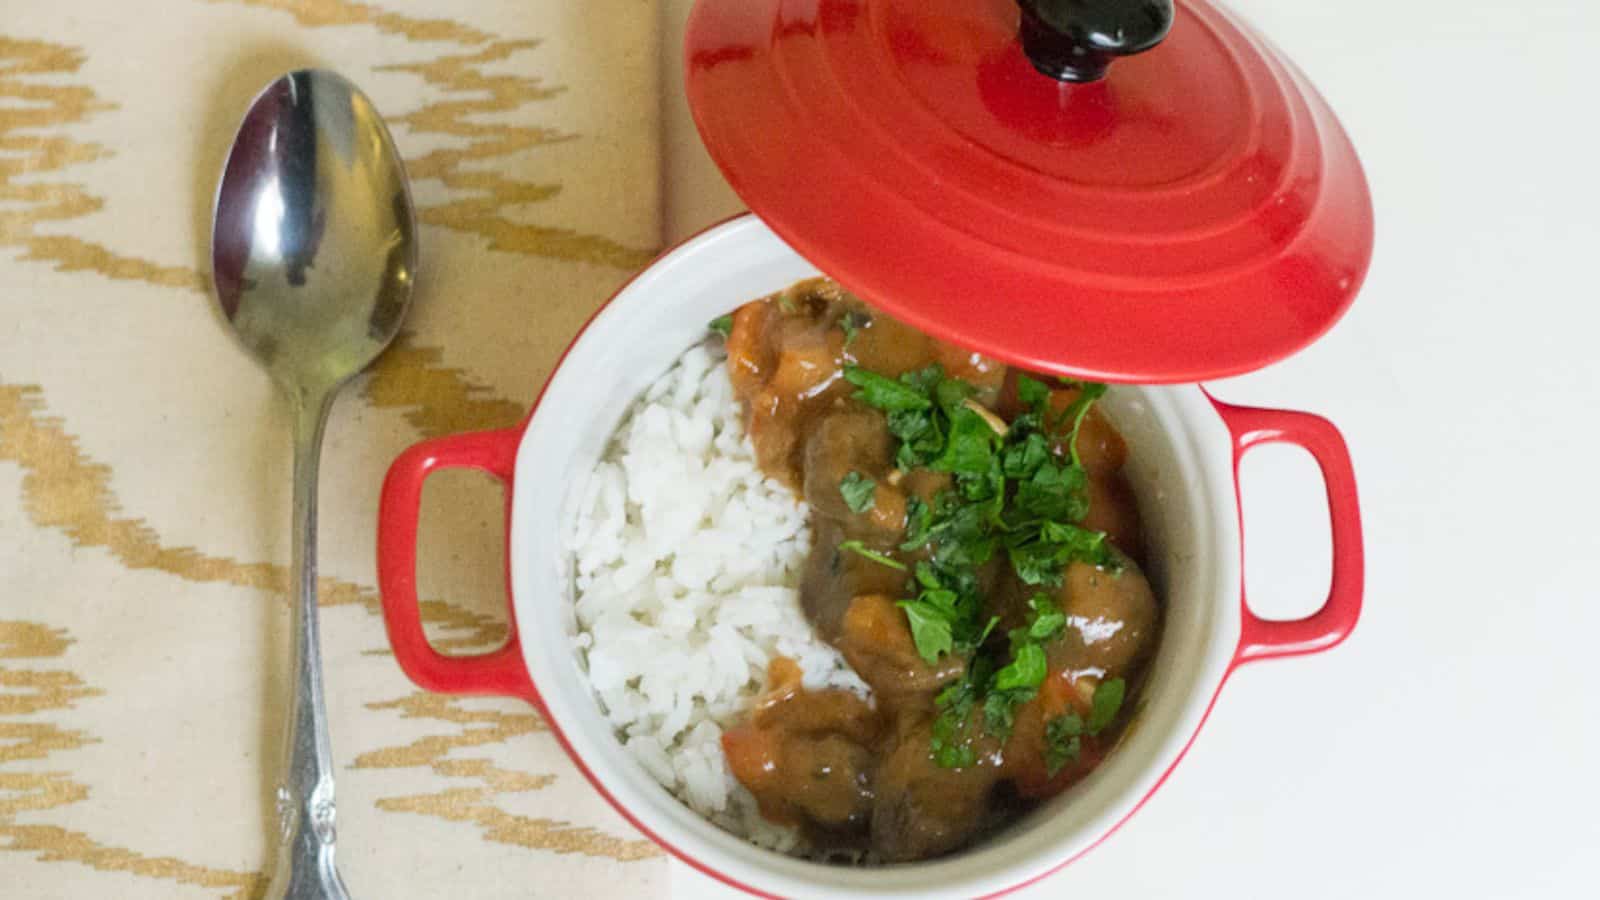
pixel 828 779
pixel 858 441
pixel 876 640
pixel 833 578
pixel 1111 619
pixel 922 810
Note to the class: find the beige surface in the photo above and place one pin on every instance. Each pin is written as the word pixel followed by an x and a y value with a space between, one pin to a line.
pixel 694 192
pixel 144 459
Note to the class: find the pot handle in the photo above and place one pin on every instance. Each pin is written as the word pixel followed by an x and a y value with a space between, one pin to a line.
pixel 501 671
pixel 1323 629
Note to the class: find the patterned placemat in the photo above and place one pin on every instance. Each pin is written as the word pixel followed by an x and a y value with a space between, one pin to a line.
pixel 144 459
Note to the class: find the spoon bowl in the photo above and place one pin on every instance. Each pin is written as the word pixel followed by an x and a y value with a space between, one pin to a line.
pixel 314 244
pixel 313 255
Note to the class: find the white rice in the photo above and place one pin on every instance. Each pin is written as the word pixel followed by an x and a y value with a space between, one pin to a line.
pixel 688 564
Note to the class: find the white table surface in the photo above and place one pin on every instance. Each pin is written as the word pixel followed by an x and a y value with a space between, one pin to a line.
pixel 1450 748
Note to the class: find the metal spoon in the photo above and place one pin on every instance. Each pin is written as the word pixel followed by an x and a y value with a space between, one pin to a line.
pixel 313 253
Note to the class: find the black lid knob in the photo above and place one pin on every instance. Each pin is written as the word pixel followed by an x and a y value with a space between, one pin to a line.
pixel 1075 40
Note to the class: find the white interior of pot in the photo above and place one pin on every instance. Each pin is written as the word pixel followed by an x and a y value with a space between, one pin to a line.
pixel 1179 465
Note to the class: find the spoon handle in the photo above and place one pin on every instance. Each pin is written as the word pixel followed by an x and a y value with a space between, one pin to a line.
pixel 305 868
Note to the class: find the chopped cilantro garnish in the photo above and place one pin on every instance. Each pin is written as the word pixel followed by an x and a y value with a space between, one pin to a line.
pixel 930 629
pixel 1054 492
pixel 1105 704
pixel 944 615
pixel 1021 460
pixel 885 393
pixel 851 324
pixel 963 538
pixel 987 628
pixel 1062 741
pixel 951 744
pixel 1026 669
pixel 919 520
pixel 925 380
pixel 1088 393
pixel 861 549
pixel 1039 556
pixel 1063 735
pixel 722 325
pixel 1010 492
pixel 970 445
pixel 950 393
pixel 858 490
pixel 1033 394
pixel 1000 710
pixel 1048 619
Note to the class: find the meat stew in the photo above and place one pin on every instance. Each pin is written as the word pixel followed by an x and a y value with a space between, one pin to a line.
pixel 976 559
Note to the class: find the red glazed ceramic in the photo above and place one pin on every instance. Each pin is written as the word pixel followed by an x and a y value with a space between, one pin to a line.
pixel 1183 464
pixel 1185 213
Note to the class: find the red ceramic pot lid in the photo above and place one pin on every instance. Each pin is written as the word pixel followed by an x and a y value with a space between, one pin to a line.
pixel 1197 212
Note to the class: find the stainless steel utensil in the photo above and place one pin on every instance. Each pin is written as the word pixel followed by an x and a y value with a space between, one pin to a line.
pixel 313 255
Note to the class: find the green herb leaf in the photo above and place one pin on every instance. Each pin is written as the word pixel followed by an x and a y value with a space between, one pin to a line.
pixel 1020 461
pixel 858 490
pixel 930 629
pixel 923 380
pixel 986 492
pixel 945 601
pixel 962 536
pixel 851 324
pixel 1037 562
pixel 951 745
pixel 1088 393
pixel 1067 725
pixel 1062 742
pixel 1080 542
pixel 1107 700
pixel 1033 394
pixel 1041 555
pixel 948 754
pixel 1026 669
pixel 861 549
pixel 885 393
pixel 1056 492
pixel 1000 711
pixel 984 634
pixel 722 325
pixel 970 445
pixel 951 393
pixel 919 521
pixel 906 458
pixel 1009 490
pixel 921 437
pixel 1048 619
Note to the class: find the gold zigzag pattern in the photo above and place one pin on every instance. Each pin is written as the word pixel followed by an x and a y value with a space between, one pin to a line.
pixel 321 13
pixel 23 792
pixel 482 211
pixel 437 400
pixel 476 804
pixel 45 105
pixel 64 490
pixel 409 376
pixel 54 105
